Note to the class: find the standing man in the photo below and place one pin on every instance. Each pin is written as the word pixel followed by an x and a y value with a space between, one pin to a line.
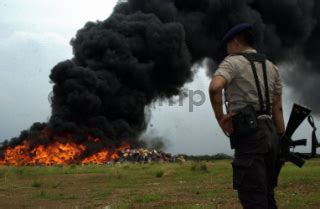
pixel 254 118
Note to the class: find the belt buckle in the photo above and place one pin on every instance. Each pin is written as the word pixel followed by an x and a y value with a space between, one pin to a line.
pixel 264 116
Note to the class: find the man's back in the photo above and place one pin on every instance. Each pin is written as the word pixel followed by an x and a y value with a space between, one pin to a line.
pixel 241 88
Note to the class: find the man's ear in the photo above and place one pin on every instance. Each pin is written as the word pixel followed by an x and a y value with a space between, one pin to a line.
pixel 236 42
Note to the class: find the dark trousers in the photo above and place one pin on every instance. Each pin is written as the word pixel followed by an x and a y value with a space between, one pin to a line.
pixel 254 173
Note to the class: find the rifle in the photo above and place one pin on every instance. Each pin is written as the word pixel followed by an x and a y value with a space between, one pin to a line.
pixel 298 115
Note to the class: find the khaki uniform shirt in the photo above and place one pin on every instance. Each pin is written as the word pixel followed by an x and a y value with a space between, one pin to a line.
pixel 241 88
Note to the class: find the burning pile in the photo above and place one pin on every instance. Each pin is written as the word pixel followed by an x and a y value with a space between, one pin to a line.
pixel 70 153
pixel 62 149
pixel 60 153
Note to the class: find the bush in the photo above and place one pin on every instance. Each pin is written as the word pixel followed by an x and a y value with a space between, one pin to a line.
pixel 200 167
pixel 204 168
pixel 220 156
pixel 159 174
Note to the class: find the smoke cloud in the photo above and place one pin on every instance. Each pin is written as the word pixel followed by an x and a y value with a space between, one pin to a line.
pixel 285 30
pixel 144 52
pixel 120 66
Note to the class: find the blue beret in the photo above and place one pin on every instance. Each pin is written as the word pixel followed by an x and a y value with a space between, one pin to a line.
pixel 236 30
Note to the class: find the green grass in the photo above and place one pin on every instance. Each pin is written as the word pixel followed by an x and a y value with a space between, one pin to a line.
pixel 36 184
pixel 204 184
pixel 42 195
pixel 149 198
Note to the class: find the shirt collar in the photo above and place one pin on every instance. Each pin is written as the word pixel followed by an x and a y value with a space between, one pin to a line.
pixel 249 51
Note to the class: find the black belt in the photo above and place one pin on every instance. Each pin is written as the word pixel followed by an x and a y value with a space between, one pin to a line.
pixel 259 113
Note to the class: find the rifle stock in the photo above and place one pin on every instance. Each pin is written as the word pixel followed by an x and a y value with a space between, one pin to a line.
pixel 298 115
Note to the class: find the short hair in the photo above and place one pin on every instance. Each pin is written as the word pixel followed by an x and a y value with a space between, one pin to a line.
pixel 246 37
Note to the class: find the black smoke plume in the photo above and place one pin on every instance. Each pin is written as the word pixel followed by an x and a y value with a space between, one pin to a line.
pixel 120 66
pixel 286 30
pixel 144 51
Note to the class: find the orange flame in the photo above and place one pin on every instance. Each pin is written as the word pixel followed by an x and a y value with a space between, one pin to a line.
pixel 57 153
pixel 98 158
pixel 105 156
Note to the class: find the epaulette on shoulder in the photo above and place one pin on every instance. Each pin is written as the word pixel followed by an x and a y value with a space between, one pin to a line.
pixel 232 56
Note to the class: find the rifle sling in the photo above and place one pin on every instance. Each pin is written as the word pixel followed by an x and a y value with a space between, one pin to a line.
pixel 315 143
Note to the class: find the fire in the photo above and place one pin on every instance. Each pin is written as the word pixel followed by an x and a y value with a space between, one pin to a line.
pixel 57 153
pixel 53 154
pixel 99 158
pixel 105 156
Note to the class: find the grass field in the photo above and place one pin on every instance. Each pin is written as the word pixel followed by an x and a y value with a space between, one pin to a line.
pixel 185 185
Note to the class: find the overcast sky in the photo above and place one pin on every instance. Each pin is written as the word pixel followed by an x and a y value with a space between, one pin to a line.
pixel 35 35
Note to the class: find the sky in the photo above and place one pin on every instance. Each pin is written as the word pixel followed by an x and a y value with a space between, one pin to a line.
pixel 35 36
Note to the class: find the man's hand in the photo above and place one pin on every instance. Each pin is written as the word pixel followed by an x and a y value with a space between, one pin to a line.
pixel 226 124
pixel 215 92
